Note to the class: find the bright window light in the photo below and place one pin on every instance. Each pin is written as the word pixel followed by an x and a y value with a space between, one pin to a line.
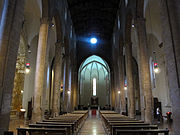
pixel 93 40
pixel 94 86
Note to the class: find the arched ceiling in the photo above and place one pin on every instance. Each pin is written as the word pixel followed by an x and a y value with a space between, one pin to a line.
pixel 95 59
pixel 94 63
pixel 94 17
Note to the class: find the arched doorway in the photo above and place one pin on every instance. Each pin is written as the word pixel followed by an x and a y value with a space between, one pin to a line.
pixel 94 82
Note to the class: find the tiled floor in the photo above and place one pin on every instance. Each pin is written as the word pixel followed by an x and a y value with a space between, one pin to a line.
pixel 92 126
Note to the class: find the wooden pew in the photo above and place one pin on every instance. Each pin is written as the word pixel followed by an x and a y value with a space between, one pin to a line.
pixel 68 127
pixel 79 112
pixel 118 124
pixel 107 112
pixel 42 131
pixel 117 119
pixel 127 124
pixel 78 117
pixel 142 132
pixel 127 121
pixel 115 128
pixel 71 122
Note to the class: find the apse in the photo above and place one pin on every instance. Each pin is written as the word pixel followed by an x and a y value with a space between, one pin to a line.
pixel 94 82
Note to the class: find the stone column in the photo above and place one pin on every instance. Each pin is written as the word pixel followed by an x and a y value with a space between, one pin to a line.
pixel 112 91
pixel 117 95
pixel 136 80
pixel 62 84
pixel 66 85
pixel 10 28
pixel 40 69
pixel 57 79
pixel 144 72
pixel 75 95
pixel 73 85
pixel 72 89
pixel 121 79
pixel 129 75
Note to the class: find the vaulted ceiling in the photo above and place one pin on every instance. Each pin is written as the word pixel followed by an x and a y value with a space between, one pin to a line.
pixel 94 17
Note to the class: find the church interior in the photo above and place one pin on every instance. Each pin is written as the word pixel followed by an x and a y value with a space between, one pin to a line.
pixel 89 67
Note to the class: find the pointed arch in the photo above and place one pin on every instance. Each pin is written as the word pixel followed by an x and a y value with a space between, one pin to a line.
pixel 94 68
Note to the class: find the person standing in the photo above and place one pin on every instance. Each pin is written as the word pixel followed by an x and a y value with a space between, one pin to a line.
pixel 158 113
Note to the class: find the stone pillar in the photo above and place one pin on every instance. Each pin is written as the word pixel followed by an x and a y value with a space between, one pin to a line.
pixel 66 85
pixel 129 75
pixel 62 84
pixel 144 72
pixel 72 88
pixel 121 79
pixel 73 84
pixel 10 28
pixel 117 95
pixel 136 80
pixel 112 91
pixel 57 79
pixel 40 69
pixel 75 95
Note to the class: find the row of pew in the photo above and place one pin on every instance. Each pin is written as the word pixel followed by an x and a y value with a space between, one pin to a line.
pixel 117 124
pixel 66 124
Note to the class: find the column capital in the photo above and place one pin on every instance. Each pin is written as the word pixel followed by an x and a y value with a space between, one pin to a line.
pixel 44 20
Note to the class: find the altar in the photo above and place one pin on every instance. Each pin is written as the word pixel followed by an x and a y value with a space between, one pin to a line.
pixel 94 101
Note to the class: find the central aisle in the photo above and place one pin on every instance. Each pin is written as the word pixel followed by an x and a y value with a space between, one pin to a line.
pixel 92 126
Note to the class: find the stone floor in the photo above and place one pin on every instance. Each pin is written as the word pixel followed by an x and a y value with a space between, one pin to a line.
pixel 164 124
pixel 92 126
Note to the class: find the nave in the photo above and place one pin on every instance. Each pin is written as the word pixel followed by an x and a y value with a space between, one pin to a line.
pixel 60 56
